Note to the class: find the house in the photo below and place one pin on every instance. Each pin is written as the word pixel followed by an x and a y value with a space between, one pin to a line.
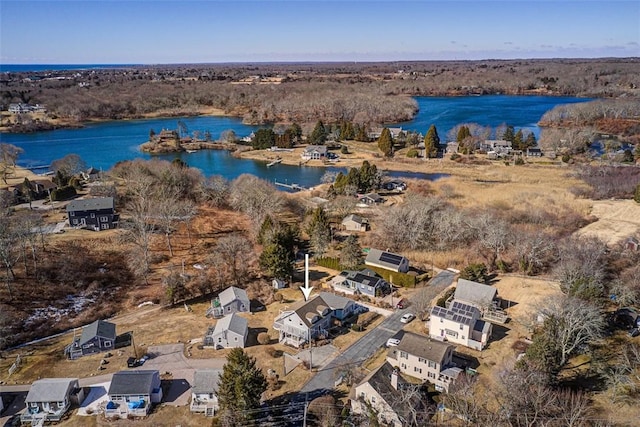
pixel 1 404
pixel 533 152
pixel 90 174
pixel 42 188
pixel 460 324
pixel 452 147
pixel 395 185
pixel 387 260
pixel 370 199
pixel 278 284
pixel 132 393
pixel 96 337
pixel 376 132
pixel 426 359
pixel 314 152
pixel 341 308
pixel 204 391
pixel 96 213
pixel 230 331
pixel 303 321
pixel 477 294
pixel 355 222
pixel 363 282
pixel 50 398
pixel 499 146
pixel 26 108
pixel 380 392
pixel 231 300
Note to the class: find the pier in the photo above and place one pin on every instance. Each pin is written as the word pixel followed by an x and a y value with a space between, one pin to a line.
pixel 292 186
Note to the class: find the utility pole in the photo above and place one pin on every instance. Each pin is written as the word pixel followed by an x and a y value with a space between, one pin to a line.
pixel 306 406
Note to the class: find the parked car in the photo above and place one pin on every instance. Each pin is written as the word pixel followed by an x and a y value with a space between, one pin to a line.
pixel 634 332
pixel 407 318
pixel 403 303
pixel 132 362
pixel 393 342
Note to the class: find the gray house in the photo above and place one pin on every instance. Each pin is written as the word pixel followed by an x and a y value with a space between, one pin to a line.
pixel 370 199
pixel 303 321
pixel 231 300
pixel 96 337
pixel 477 294
pixel 95 214
pixel 364 282
pixel 132 393
pixel 204 392
pixel 387 260
pixel 230 331
pixel 50 398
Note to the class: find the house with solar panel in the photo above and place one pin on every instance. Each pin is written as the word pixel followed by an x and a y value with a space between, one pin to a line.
pixel 460 324
pixel 387 260
pixel 363 282
pixel 96 337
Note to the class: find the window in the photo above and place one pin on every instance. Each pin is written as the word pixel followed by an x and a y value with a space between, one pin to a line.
pixel 104 219
pixel 441 320
pixel 416 369
pixel 452 333
pixel 72 214
pixel 421 360
pixel 432 364
pixel 403 366
pixel 373 399
pixel 93 215
pixel 104 226
pixel 431 375
pixel 404 355
pixel 74 221
pixel 462 337
pixel 107 344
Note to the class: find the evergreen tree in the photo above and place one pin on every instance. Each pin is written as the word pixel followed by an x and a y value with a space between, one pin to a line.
pixel 319 134
pixel 353 178
pixel 385 143
pixel 319 231
pixel 263 138
pixel 361 133
pixel 369 177
pixel 509 134
pixel 240 387
pixel 431 142
pixel 530 141
pixel 340 183
pixel 463 133
pixel 518 140
pixel 27 191
pixel 636 195
pixel 351 253
pixel 277 261
pixel 267 229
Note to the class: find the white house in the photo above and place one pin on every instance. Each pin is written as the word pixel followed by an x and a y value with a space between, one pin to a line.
pixel 355 222
pixel 460 324
pixel 50 398
pixel 229 332
pixel 477 294
pixel 303 321
pixel 387 260
pixel 314 152
pixel 426 359
pixel 231 300
pixel 204 392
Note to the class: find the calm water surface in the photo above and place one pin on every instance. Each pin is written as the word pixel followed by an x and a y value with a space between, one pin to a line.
pixel 102 145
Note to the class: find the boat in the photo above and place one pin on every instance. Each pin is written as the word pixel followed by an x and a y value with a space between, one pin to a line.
pixel 275 162
pixel 191 151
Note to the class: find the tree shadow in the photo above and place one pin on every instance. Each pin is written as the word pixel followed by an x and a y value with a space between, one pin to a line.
pixel 465 361
pixel 252 338
pixel 499 332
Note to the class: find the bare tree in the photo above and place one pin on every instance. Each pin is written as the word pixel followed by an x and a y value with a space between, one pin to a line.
pixel 216 191
pixel 235 250
pixel 534 251
pixel 8 156
pixel 493 234
pixel 462 400
pixel 69 165
pixel 581 268
pixel 255 197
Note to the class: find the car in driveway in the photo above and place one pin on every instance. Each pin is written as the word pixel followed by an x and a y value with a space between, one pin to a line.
pixel 403 303
pixel 408 317
pixel 393 342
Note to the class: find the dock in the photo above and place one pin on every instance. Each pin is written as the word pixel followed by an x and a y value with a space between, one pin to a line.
pixel 292 186
pixel 275 162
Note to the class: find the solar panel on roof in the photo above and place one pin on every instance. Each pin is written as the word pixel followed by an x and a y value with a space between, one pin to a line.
pixel 390 258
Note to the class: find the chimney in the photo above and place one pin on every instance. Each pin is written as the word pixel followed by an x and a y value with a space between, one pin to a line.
pixel 394 378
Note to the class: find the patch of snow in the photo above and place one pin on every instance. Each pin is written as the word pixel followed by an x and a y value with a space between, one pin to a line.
pixel 73 306
pixel 144 304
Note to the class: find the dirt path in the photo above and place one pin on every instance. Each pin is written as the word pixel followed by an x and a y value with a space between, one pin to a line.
pixel 617 220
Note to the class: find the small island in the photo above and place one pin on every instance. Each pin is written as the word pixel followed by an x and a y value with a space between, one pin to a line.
pixel 170 141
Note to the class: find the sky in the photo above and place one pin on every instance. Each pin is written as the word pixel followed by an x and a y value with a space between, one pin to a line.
pixel 210 31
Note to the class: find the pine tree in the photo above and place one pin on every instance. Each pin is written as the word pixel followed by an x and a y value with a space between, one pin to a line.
pixel 266 232
pixel 319 231
pixel 463 133
pixel 240 386
pixel 319 134
pixel 431 142
pixel 385 143
pixel 361 133
pixel 509 134
pixel 518 140
pixel 530 141
pixel 351 253
pixel 277 261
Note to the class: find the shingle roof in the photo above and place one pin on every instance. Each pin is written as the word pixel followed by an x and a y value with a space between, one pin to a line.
pixel 335 302
pixel 50 389
pixel 355 218
pixel 97 203
pixel 474 292
pixel 231 294
pixel 233 323
pixel 422 346
pixel 307 310
pixel 99 328
pixel 206 381
pixel 132 382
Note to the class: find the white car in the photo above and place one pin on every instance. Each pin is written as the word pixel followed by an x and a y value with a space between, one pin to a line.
pixel 407 318
pixel 393 342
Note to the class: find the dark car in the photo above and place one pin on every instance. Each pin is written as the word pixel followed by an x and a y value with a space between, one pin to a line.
pixel 634 332
pixel 132 362
pixel 403 303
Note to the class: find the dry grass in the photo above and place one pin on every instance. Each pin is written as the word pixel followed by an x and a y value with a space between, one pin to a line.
pixel 617 220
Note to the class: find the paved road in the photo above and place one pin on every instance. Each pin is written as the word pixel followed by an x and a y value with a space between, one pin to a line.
pixel 322 382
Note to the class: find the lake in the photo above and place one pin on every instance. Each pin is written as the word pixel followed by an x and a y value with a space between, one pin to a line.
pixel 102 145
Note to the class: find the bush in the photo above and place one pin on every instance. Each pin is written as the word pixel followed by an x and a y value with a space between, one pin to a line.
pixel 519 161
pixel 636 196
pixel 455 156
pixel 63 193
pixel 344 149
pixel 412 153
pixel 333 263
pixel 365 319
pixel 474 272
pixel 442 301
pixel 566 158
pixel 273 352
pixel 264 338
pixel 278 297
pixel 357 328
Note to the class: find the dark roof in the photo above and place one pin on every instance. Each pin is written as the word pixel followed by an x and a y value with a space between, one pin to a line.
pixel 364 278
pixel 307 310
pixel 474 292
pixel 97 203
pixel 51 389
pixel 459 312
pixel 206 381
pixel 422 346
pixel 383 258
pixel 132 382
pixel 99 328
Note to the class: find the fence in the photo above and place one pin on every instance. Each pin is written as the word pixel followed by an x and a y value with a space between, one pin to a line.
pixel 15 365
